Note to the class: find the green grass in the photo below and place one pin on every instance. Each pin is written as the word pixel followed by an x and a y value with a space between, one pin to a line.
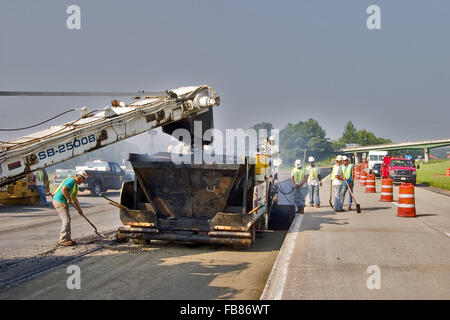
pixel 433 174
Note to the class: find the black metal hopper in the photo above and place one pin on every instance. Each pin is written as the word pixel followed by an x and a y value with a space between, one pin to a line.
pixel 206 203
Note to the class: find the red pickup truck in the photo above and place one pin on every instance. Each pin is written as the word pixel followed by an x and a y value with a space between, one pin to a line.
pixel 399 169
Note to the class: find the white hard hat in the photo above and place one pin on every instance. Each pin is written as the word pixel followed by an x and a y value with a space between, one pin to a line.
pixel 339 158
pixel 298 163
pixel 82 174
pixel 344 158
pixel 311 159
pixel 272 138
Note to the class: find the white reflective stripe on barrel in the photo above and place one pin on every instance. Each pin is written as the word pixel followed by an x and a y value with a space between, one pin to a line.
pixel 386 193
pixel 370 180
pixel 404 205
pixel 386 186
pixel 401 195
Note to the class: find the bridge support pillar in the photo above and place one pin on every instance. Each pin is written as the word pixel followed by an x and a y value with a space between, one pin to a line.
pixel 426 152
pixel 357 158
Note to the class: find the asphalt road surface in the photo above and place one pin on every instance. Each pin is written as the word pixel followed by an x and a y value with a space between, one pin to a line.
pixel 32 267
pixel 29 230
pixel 339 255
pixel 329 259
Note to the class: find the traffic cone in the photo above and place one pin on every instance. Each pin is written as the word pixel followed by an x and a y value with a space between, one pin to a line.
pixel 363 178
pixel 358 172
pixel 406 201
pixel 387 186
pixel 370 183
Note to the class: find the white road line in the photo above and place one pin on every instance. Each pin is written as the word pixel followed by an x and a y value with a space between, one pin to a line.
pixel 277 280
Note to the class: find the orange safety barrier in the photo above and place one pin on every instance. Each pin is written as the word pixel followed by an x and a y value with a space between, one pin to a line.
pixel 406 201
pixel 370 183
pixel 448 171
pixel 358 171
pixel 363 178
pixel 387 187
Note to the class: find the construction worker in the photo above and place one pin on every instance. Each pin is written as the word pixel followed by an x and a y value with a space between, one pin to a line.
pixel 40 179
pixel 348 175
pixel 299 180
pixel 338 184
pixel 314 181
pixel 67 194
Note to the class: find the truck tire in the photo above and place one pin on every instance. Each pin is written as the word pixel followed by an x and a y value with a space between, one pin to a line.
pixel 96 189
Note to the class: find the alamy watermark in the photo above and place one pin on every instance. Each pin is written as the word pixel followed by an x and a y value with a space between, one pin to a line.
pixel 73 21
pixel 229 147
pixel 374 280
pixel 373 22
pixel 74 280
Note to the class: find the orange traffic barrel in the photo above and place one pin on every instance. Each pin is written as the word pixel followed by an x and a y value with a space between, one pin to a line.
pixel 406 201
pixel 363 178
pixel 358 171
pixel 387 186
pixel 448 171
pixel 370 183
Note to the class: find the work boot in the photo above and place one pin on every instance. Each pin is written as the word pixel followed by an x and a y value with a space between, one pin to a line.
pixel 317 205
pixel 349 208
pixel 66 243
pixel 302 210
pixel 311 205
pixel 342 210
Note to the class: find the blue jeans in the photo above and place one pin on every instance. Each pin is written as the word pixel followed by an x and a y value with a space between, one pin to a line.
pixel 344 192
pixel 41 191
pixel 314 195
pixel 338 198
pixel 300 195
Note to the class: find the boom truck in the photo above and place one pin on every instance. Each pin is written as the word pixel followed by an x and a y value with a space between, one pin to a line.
pixel 208 203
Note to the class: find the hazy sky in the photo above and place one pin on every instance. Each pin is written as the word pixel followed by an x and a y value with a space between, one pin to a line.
pixel 276 61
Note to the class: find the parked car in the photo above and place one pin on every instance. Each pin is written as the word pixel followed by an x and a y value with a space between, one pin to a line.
pixel 399 169
pixel 61 174
pixel 377 169
pixel 102 176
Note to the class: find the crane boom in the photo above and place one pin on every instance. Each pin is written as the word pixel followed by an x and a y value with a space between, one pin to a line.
pixel 97 129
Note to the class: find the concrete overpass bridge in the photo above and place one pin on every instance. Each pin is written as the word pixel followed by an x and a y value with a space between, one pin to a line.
pixel 426 145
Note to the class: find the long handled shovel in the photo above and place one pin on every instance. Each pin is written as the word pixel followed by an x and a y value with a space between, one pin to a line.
pixel 331 193
pixel 358 207
pixel 95 228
